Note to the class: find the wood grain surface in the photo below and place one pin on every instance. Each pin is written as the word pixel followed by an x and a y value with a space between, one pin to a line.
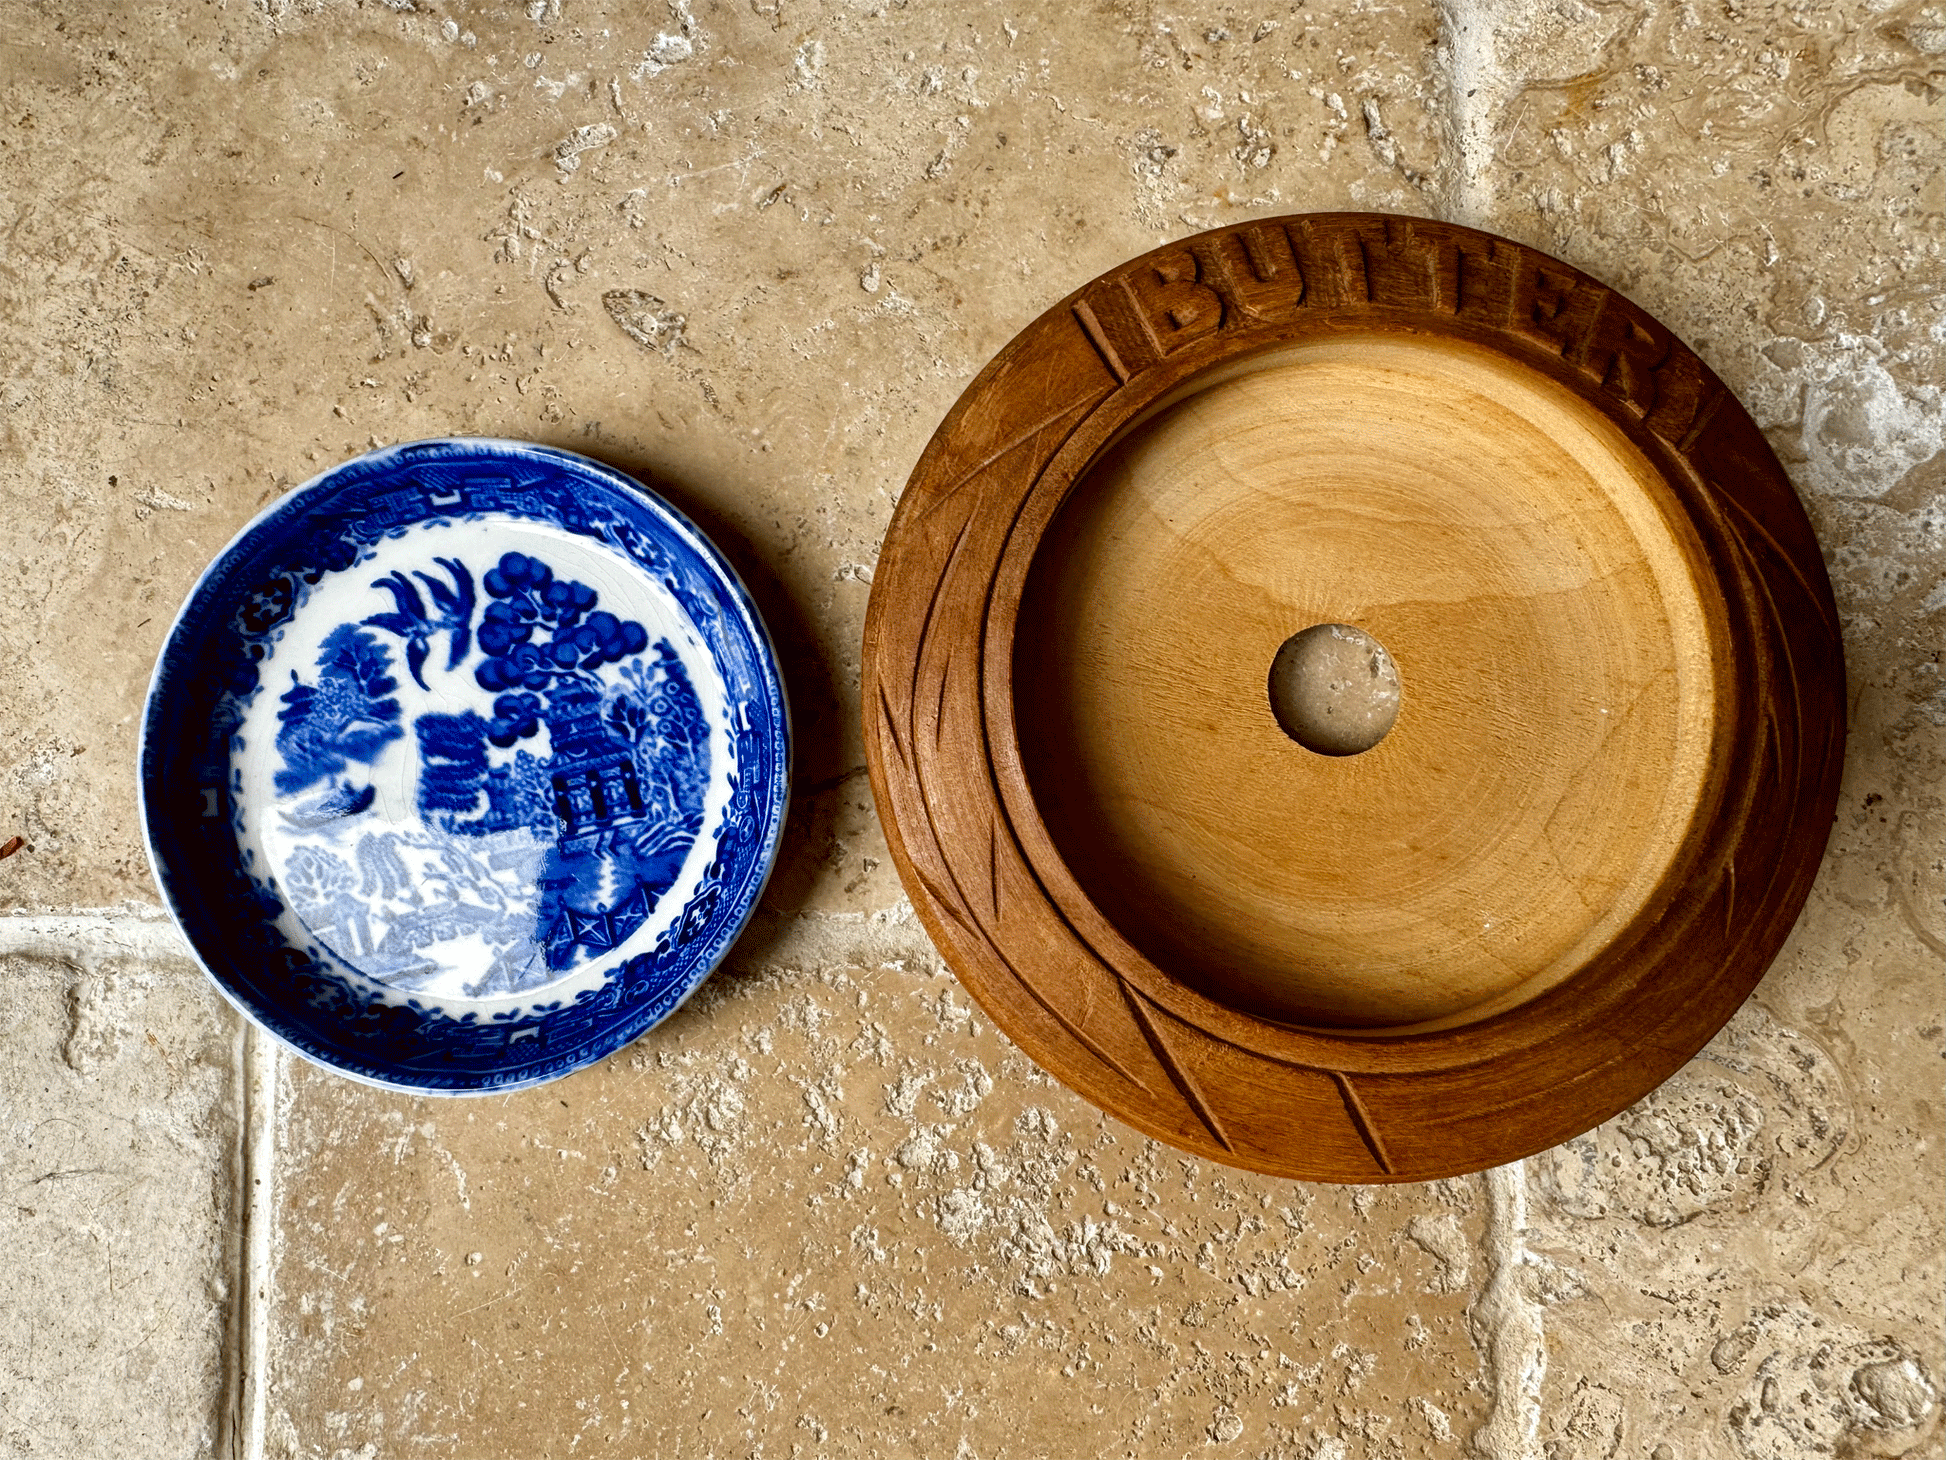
pixel 1620 723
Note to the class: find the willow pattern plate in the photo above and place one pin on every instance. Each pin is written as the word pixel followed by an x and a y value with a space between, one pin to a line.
pixel 464 764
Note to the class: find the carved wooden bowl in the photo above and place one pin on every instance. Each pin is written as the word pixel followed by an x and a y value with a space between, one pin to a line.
pixel 1471 865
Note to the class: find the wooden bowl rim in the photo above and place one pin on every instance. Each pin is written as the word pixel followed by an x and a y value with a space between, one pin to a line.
pixel 963 541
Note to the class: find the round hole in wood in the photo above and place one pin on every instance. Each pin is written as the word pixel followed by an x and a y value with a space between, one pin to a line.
pixel 1489 529
pixel 1334 689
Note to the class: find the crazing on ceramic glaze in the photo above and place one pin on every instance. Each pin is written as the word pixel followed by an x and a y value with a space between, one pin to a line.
pixel 544 767
pixel 492 765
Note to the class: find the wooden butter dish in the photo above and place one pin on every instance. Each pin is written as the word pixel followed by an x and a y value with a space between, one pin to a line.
pixel 1353 697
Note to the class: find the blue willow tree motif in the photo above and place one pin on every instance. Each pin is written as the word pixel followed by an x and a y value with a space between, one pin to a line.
pixel 381 870
pixel 416 627
pixel 663 721
pixel 452 763
pixel 530 601
pixel 347 717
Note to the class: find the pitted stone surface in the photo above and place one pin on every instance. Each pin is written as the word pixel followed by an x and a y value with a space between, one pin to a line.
pixel 119 1113
pixel 753 251
pixel 1762 1107
pixel 832 1209
pixel 1692 1224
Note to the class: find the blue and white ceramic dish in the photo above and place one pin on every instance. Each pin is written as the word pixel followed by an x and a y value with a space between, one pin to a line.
pixel 464 764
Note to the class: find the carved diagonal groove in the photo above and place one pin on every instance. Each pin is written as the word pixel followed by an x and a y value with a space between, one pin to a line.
pixel 969 920
pixel 925 629
pixel 1362 1121
pixel 1783 781
pixel 1080 1035
pixel 1177 1072
pixel 949 905
pixel 946 494
pixel 1098 337
pixel 1755 524
pixel 939 710
pixel 993 866
pixel 1718 394
pixel 891 727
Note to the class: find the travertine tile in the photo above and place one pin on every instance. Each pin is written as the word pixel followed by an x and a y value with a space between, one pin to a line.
pixel 829 1211
pixel 1748 1263
pixel 119 1165
pixel 753 253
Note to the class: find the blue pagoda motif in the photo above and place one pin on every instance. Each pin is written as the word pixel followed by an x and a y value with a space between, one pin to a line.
pixel 596 786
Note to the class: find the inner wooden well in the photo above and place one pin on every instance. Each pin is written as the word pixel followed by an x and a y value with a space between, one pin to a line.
pixel 1508 548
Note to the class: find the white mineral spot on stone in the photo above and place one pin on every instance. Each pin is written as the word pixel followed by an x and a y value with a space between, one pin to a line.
pixel 568 151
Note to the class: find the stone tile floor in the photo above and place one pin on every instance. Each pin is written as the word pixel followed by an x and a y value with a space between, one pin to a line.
pixel 752 250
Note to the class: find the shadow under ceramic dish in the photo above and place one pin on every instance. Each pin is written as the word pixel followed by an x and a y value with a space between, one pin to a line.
pixel 825 758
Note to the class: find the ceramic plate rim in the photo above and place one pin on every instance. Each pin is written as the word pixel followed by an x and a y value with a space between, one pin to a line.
pixel 775 809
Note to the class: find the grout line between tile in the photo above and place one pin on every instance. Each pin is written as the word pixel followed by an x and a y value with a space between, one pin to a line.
pixel 1508 1325
pixel 252 1351
pixel 236 1241
pixel 92 933
pixel 1474 88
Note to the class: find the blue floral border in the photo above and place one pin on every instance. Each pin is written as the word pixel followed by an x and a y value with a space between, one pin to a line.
pixel 208 670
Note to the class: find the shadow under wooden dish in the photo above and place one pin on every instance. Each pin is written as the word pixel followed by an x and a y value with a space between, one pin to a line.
pixel 1322 682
